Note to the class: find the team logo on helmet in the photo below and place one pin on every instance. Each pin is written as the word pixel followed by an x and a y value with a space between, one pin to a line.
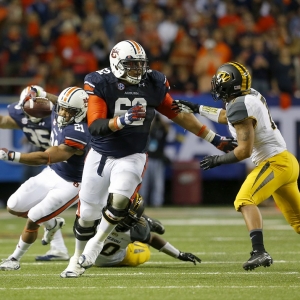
pixel 114 52
pixel 224 76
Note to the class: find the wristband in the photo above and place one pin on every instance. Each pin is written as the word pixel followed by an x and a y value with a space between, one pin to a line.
pixel 119 124
pixel 228 158
pixel 210 136
pixel 170 250
pixel 14 156
pixel 211 113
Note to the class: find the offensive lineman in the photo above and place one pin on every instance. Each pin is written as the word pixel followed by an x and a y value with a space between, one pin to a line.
pixel 122 104
pixel 258 137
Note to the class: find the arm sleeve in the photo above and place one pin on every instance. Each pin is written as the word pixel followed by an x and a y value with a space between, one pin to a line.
pixel 165 107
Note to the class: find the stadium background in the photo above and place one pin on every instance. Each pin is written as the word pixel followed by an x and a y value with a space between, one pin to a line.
pixel 55 43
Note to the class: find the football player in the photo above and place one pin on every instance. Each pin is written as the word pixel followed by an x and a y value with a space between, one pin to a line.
pixel 128 244
pixel 37 132
pixel 43 197
pixel 122 104
pixel 276 169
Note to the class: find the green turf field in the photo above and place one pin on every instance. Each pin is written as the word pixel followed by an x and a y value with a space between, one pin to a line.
pixel 217 235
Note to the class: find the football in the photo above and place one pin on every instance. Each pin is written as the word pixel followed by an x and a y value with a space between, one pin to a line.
pixel 38 107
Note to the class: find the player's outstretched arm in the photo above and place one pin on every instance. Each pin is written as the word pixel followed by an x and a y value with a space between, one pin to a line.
pixel 163 246
pixel 36 91
pixel 52 155
pixel 192 124
pixel 215 114
pixel 7 122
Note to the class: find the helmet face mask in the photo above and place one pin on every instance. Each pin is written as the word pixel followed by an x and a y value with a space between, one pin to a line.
pixel 230 81
pixel 134 215
pixel 128 61
pixel 71 106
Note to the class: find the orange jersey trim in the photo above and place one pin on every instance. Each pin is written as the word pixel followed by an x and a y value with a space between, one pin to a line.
pixel 74 144
pixel 97 109
pixel 165 107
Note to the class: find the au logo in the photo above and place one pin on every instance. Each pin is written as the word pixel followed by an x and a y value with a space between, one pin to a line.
pixel 224 76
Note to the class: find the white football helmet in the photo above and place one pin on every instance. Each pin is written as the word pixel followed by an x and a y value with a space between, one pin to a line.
pixel 75 101
pixel 23 94
pixel 128 61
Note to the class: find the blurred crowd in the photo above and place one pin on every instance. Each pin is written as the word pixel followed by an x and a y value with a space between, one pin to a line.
pixel 55 43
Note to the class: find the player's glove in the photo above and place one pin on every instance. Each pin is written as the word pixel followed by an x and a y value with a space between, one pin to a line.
pixel 9 155
pixel 185 107
pixel 135 113
pixel 209 162
pixel 34 92
pixel 224 143
pixel 189 257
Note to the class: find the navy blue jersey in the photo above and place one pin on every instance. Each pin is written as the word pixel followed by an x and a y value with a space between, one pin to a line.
pixel 74 135
pixel 36 133
pixel 120 97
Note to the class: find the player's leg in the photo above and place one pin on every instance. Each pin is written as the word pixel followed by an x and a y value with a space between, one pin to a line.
pixel 27 196
pixel 125 177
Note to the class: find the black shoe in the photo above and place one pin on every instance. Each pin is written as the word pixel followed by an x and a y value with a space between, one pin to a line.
pixel 155 225
pixel 257 259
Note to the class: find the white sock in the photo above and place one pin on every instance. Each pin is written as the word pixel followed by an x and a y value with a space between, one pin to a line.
pixel 21 249
pixel 58 242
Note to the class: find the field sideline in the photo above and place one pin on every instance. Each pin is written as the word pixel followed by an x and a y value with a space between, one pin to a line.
pixel 217 235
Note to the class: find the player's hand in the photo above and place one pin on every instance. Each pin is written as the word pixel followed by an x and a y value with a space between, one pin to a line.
pixel 209 162
pixel 189 257
pixel 34 91
pixel 224 143
pixel 135 113
pixel 185 107
pixel 6 154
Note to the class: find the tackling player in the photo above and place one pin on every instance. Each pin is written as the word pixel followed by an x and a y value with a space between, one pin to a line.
pixel 37 131
pixel 56 187
pixel 122 104
pixel 276 169
pixel 128 244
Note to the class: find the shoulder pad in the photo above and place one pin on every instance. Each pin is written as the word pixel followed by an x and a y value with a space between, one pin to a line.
pixel 157 76
pixel 236 110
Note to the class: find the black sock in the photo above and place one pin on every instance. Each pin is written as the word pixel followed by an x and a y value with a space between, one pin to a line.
pixel 257 240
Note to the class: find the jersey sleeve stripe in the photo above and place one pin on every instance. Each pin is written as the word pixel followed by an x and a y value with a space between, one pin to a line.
pixel 89 88
pixel 75 143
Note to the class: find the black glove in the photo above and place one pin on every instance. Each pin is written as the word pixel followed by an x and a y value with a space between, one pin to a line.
pixel 209 162
pixel 185 106
pixel 224 143
pixel 189 257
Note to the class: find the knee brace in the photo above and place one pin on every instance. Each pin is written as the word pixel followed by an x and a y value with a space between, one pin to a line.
pixel 84 233
pixel 116 208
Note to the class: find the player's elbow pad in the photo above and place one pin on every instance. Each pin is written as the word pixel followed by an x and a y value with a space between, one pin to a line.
pixel 100 127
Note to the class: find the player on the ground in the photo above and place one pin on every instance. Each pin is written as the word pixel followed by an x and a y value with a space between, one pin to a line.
pixel 122 104
pixel 43 197
pixel 128 244
pixel 276 169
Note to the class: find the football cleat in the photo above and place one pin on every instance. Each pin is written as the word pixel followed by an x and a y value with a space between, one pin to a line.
pixel 74 270
pixel 53 255
pixel 10 264
pixel 49 233
pixel 84 262
pixel 155 225
pixel 257 259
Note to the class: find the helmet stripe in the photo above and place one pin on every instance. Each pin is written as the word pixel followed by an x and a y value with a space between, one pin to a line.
pixel 246 83
pixel 136 46
pixel 69 93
